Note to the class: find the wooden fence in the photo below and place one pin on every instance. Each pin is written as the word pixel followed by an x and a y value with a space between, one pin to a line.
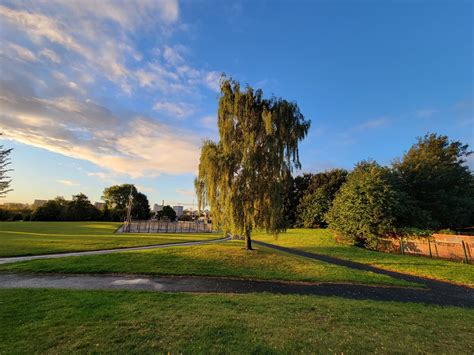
pixel 439 246
pixel 150 226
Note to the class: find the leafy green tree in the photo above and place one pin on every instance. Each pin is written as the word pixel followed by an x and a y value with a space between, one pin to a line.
pixel 243 177
pixel 318 197
pixel 434 175
pixel 167 213
pixel 5 181
pixel 296 188
pixel 116 199
pixel 116 196
pixel 367 205
pixel 141 206
pixel 53 210
pixel 312 209
pixel 81 209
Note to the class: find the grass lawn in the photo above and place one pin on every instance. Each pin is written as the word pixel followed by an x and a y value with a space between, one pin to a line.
pixel 322 241
pixel 31 238
pixel 63 321
pixel 228 259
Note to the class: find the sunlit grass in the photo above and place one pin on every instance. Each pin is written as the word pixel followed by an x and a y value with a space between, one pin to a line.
pixel 32 238
pixel 228 259
pixel 322 241
pixel 64 321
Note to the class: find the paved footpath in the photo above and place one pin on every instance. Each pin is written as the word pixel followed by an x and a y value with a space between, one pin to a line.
pixel 228 285
pixel 434 292
pixel 15 259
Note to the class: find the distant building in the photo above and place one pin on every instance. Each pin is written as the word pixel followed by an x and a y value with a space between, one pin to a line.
pixel 99 205
pixel 39 203
pixel 157 207
pixel 179 210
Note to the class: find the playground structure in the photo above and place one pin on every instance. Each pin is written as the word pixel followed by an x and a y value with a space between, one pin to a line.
pixel 152 226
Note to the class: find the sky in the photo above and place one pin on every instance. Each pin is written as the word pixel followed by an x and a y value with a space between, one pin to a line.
pixel 96 93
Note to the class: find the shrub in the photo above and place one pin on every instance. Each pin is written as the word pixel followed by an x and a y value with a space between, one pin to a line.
pixel 312 208
pixel 366 206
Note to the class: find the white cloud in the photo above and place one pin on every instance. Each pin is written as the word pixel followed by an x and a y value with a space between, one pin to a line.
pixel 210 122
pixel 87 131
pixel 173 54
pixel 22 52
pixel 51 55
pixel 74 52
pixel 379 122
pixel 68 182
pixel 211 80
pixel 178 109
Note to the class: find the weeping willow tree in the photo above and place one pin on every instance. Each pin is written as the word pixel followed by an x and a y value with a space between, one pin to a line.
pixel 243 176
pixel 4 162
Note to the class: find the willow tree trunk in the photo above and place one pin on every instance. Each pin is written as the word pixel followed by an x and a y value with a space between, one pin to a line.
pixel 248 240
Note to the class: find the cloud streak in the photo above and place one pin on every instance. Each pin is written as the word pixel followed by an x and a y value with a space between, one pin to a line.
pixel 56 74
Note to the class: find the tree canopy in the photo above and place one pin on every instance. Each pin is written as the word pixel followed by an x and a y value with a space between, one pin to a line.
pixel 116 199
pixel 167 213
pixel 367 205
pixel 243 177
pixel 433 173
pixel 5 181
pixel 318 197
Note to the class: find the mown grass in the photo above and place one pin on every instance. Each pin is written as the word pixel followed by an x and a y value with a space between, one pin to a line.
pixel 65 321
pixel 322 241
pixel 227 259
pixel 32 238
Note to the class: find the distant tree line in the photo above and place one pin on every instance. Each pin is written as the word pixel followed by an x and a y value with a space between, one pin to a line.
pixel 430 187
pixel 81 209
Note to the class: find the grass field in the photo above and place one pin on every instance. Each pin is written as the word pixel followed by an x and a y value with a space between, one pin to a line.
pixel 228 259
pixel 322 241
pixel 31 238
pixel 60 321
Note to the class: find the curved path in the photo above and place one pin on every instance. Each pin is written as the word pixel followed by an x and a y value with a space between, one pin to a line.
pixel 435 292
pixel 14 259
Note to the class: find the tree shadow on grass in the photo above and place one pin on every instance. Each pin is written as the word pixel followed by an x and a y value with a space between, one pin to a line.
pixel 437 292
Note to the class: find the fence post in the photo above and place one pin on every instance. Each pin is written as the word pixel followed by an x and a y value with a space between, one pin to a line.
pixel 401 246
pixel 465 252
pixel 429 247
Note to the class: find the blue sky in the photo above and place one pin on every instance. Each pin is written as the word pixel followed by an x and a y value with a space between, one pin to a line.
pixel 97 93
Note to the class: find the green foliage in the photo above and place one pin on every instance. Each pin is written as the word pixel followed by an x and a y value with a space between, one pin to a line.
pixel 244 176
pixel 167 213
pixel 4 162
pixel 78 209
pixel 296 188
pixel 81 209
pixel 317 198
pixel 440 185
pixel 414 232
pixel 312 209
pixel 53 210
pixel 185 218
pixel 116 199
pixel 22 214
pixel 366 206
